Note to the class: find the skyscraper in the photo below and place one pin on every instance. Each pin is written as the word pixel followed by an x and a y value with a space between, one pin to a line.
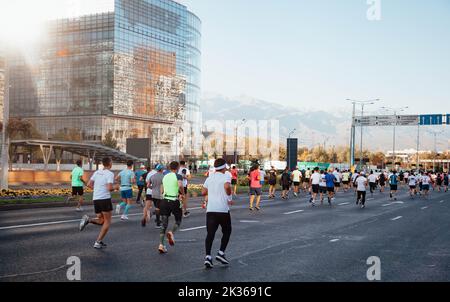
pixel 134 72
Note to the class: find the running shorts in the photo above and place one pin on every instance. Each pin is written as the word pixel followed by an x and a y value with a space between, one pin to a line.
pixel 185 190
pixel 373 185
pixel 412 187
pixel 103 205
pixel 273 182
pixel 77 191
pixel 315 188
pixel 148 197
pixel 157 203
pixel 234 182
pixel 169 207
pixel 296 183
pixel 255 191
pixel 285 187
pixel 426 187
pixel 337 184
pixel 127 194
pixel 345 182
pixel 330 189
pixel 306 180
pixel 322 189
pixel 393 187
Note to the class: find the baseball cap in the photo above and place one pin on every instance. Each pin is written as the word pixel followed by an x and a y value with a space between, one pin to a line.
pixel 159 167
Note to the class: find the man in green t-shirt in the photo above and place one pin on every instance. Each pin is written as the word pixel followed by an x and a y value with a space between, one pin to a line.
pixel 78 184
pixel 173 192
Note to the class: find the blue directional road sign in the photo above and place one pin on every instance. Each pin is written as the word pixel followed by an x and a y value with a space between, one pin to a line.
pixel 448 119
pixel 431 119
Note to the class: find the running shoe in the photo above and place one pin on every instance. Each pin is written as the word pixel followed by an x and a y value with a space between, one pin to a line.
pixel 258 208
pixel 250 208
pixel 98 245
pixel 158 226
pixel 208 262
pixel 104 245
pixel 363 206
pixel 118 209
pixel 186 214
pixel 222 259
pixel 124 217
pixel 84 222
pixel 170 238
pixel 143 222
pixel 80 209
pixel 313 203
pixel 162 249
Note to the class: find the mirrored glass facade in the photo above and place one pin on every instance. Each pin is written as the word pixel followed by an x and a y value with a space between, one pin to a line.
pixel 134 71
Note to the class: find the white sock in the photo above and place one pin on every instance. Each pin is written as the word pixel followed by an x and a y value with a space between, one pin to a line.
pixel 221 253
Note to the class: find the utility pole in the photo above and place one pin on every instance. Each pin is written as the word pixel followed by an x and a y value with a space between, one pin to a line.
pixel 236 141
pixel 352 138
pixel 418 146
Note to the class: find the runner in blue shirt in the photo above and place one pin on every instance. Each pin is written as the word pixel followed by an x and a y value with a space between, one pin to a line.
pixel 126 179
pixel 393 183
pixel 330 180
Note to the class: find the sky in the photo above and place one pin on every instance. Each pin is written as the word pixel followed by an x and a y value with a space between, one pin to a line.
pixel 317 53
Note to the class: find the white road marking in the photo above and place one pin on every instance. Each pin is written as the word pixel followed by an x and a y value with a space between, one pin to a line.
pixel 396 218
pixel 399 202
pixel 63 222
pixel 441 201
pixel 370 198
pixel 249 221
pixel 386 204
pixel 293 212
pixel 344 203
pixel 192 229
pixel 334 240
pixel 423 208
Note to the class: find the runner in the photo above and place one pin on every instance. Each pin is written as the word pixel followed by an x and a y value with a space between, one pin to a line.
pixel 263 176
pixel 446 177
pixel 382 180
pixel 307 181
pixel 77 184
pixel 140 182
pixel 439 180
pixel 322 186
pixel 419 180
pixel 126 179
pixel 426 184
pixel 361 184
pixel 255 187
pixel 393 183
pixel 153 181
pixel 296 178
pixel 186 174
pixel 354 176
pixel 272 182
pixel 218 189
pixel 406 177
pixel 372 182
pixel 330 179
pixel 102 181
pixel 173 194
pixel 234 179
pixel 345 180
pixel 314 183
pixel 338 176
pixel 285 182
pixel 412 182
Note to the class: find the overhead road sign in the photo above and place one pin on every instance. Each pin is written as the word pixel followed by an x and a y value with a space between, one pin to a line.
pixel 403 120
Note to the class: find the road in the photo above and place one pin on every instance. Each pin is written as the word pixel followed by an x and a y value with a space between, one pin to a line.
pixel 286 241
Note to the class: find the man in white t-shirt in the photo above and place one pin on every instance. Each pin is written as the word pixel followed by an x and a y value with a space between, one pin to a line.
pixel 354 176
pixel 337 184
pixel 218 189
pixel 412 182
pixel 186 174
pixel 296 177
pixel 361 184
pixel 372 182
pixel 426 183
pixel 102 181
pixel 315 180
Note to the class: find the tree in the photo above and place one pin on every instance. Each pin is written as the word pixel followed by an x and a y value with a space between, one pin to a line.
pixel 110 141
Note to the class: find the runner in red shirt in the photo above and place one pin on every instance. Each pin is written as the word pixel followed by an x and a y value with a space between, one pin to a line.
pixel 234 178
pixel 255 187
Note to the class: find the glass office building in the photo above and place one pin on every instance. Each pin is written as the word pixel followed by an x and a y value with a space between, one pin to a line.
pixel 134 71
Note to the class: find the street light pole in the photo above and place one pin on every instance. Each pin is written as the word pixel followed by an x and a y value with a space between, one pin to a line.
pixel 394 110
pixel 352 143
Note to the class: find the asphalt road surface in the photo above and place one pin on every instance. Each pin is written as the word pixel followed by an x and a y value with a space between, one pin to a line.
pixel 286 241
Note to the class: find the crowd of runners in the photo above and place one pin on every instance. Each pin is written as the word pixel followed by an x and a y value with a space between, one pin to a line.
pixel 163 192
